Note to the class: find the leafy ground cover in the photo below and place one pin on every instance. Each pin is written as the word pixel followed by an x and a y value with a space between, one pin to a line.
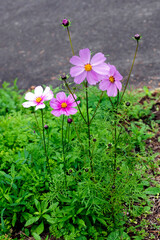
pixel 43 200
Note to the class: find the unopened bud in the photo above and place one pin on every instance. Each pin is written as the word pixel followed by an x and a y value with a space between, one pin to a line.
pixel 65 22
pixel 94 140
pixel 127 104
pixel 46 126
pixel 69 120
pixel 64 77
pixel 113 187
pixel 137 37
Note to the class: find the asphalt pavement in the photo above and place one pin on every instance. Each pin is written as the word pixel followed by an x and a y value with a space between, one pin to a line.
pixel 35 48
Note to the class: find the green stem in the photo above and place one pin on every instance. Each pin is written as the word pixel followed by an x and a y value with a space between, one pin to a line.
pixel 63 153
pixel 70 40
pixel 37 125
pixel 96 107
pixel 88 125
pixel 75 100
pixel 78 135
pixel 44 142
pixel 111 101
pixel 130 71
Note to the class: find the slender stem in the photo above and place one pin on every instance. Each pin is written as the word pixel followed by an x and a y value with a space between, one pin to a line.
pixel 44 141
pixel 37 124
pixel 75 100
pixel 111 101
pixel 96 107
pixel 88 125
pixel 130 71
pixel 63 153
pixel 78 135
pixel 70 40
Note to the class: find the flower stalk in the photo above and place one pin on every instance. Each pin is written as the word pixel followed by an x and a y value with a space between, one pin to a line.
pixel 63 152
pixel 70 40
pixel 130 71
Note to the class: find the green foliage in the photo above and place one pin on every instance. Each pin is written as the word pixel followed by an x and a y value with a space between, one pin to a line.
pixel 33 192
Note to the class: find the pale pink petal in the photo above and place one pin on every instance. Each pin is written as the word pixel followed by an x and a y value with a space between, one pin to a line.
pixel 119 85
pixel 85 55
pixel 47 94
pixel 75 60
pixel 40 106
pixel 70 111
pixel 71 99
pixel 80 78
pixel 92 78
pixel 61 97
pixel 97 59
pixel 102 69
pixel 118 76
pixel 112 90
pixel 38 91
pixel 29 104
pixel 56 113
pixel 104 85
pixel 75 71
pixel 30 96
pixel 55 105
pixel 112 70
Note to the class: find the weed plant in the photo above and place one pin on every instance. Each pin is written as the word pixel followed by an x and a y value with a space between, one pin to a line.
pixel 75 177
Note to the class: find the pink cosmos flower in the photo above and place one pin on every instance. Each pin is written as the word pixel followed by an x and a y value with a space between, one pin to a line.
pixel 38 97
pixel 111 82
pixel 85 67
pixel 63 104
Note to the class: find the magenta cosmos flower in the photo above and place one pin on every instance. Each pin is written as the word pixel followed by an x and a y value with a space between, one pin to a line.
pixel 38 97
pixel 63 104
pixel 85 67
pixel 111 82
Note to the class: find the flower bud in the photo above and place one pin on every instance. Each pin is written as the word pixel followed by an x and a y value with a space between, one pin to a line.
pixel 69 120
pixel 113 187
pixel 94 140
pixel 70 170
pixel 63 77
pixel 86 169
pixel 46 126
pixel 118 168
pixel 137 37
pixel 127 104
pixel 65 22
pixel 110 145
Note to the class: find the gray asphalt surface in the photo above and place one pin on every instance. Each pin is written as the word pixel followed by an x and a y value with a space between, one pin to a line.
pixel 35 48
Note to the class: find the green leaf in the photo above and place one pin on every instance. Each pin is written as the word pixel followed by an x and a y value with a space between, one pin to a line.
pixel 36 236
pixel 63 199
pixel 113 235
pixel 38 205
pixel 152 190
pixel 31 221
pixel 80 210
pixel 8 198
pixel 2 221
pixel 81 222
pixel 49 219
pixel 40 228
pixel 14 219
pixel 101 220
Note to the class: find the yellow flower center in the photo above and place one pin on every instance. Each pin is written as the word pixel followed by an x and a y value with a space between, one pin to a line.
pixel 88 67
pixel 38 99
pixel 112 79
pixel 63 105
